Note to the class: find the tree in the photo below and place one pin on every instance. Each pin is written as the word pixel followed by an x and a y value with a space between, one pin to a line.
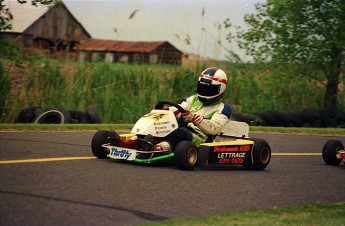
pixel 6 16
pixel 308 35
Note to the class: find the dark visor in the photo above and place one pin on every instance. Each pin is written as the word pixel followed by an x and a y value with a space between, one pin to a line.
pixel 208 89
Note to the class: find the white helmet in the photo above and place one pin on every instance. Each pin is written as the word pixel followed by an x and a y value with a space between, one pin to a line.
pixel 211 85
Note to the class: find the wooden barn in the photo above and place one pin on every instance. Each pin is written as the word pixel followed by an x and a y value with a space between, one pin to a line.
pixel 129 52
pixel 57 28
pixel 58 31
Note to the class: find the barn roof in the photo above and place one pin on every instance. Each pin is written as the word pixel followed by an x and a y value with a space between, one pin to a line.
pixel 121 46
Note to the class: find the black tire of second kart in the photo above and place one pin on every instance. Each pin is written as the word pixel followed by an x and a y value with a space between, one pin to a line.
pixel 186 155
pixel 54 116
pixel 261 155
pixel 98 139
pixel 330 150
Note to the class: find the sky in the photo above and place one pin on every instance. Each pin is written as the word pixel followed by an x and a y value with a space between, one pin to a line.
pixel 193 26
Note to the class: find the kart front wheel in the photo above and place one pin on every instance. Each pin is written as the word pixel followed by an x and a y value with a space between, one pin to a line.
pixel 186 155
pixel 330 151
pixel 261 155
pixel 98 140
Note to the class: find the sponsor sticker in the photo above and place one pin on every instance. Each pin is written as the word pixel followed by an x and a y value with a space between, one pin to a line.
pixel 233 148
pixel 231 154
pixel 122 153
pixel 156 116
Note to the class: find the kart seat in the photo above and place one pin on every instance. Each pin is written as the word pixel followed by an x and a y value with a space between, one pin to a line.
pixel 235 129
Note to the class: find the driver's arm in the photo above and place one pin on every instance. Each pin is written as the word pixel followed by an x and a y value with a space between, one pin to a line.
pixel 214 125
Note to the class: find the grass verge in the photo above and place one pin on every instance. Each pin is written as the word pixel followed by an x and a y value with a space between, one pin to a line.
pixel 316 214
pixel 94 127
pixel 294 130
pixel 62 127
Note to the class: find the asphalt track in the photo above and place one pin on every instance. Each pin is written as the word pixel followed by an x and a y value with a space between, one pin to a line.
pixel 52 178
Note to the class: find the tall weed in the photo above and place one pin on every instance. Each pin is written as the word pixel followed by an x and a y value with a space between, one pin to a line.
pixel 124 92
pixel 256 89
pixel 5 86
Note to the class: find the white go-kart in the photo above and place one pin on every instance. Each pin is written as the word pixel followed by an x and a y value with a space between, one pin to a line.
pixel 230 147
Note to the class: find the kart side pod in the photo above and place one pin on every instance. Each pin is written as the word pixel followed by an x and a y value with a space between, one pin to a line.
pixel 251 153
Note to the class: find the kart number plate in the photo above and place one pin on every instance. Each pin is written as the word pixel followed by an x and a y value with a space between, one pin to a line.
pixel 122 153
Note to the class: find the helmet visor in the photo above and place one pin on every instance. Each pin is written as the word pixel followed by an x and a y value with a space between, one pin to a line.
pixel 206 89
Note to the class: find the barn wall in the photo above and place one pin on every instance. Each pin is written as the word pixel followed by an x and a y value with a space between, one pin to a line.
pixel 131 52
pixel 57 25
pixel 161 56
pixel 167 54
pixel 25 40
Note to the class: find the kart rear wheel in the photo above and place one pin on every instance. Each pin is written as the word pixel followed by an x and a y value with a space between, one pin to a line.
pixel 186 155
pixel 98 140
pixel 330 150
pixel 261 155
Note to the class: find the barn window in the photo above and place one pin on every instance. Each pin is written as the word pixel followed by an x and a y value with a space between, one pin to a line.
pixel 153 58
pixel 123 58
pixel 109 57
pixel 95 56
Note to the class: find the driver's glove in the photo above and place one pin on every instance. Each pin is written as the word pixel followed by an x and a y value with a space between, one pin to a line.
pixel 191 117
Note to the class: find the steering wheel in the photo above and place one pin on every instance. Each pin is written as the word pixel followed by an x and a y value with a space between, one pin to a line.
pixel 161 104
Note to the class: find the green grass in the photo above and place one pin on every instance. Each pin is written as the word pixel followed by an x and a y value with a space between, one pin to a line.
pixel 294 130
pixel 62 127
pixel 313 215
pixel 94 127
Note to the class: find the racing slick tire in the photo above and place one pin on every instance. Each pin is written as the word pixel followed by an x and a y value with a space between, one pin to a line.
pixel 261 155
pixel 186 155
pixel 99 138
pixel 330 150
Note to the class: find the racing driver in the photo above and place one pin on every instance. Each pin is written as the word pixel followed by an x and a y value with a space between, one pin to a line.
pixel 205 113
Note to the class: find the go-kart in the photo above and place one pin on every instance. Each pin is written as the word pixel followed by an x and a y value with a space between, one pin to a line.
pixel 333 152
pixel 230 147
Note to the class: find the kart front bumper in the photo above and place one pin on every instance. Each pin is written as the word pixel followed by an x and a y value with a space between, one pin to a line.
pixel 137 156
